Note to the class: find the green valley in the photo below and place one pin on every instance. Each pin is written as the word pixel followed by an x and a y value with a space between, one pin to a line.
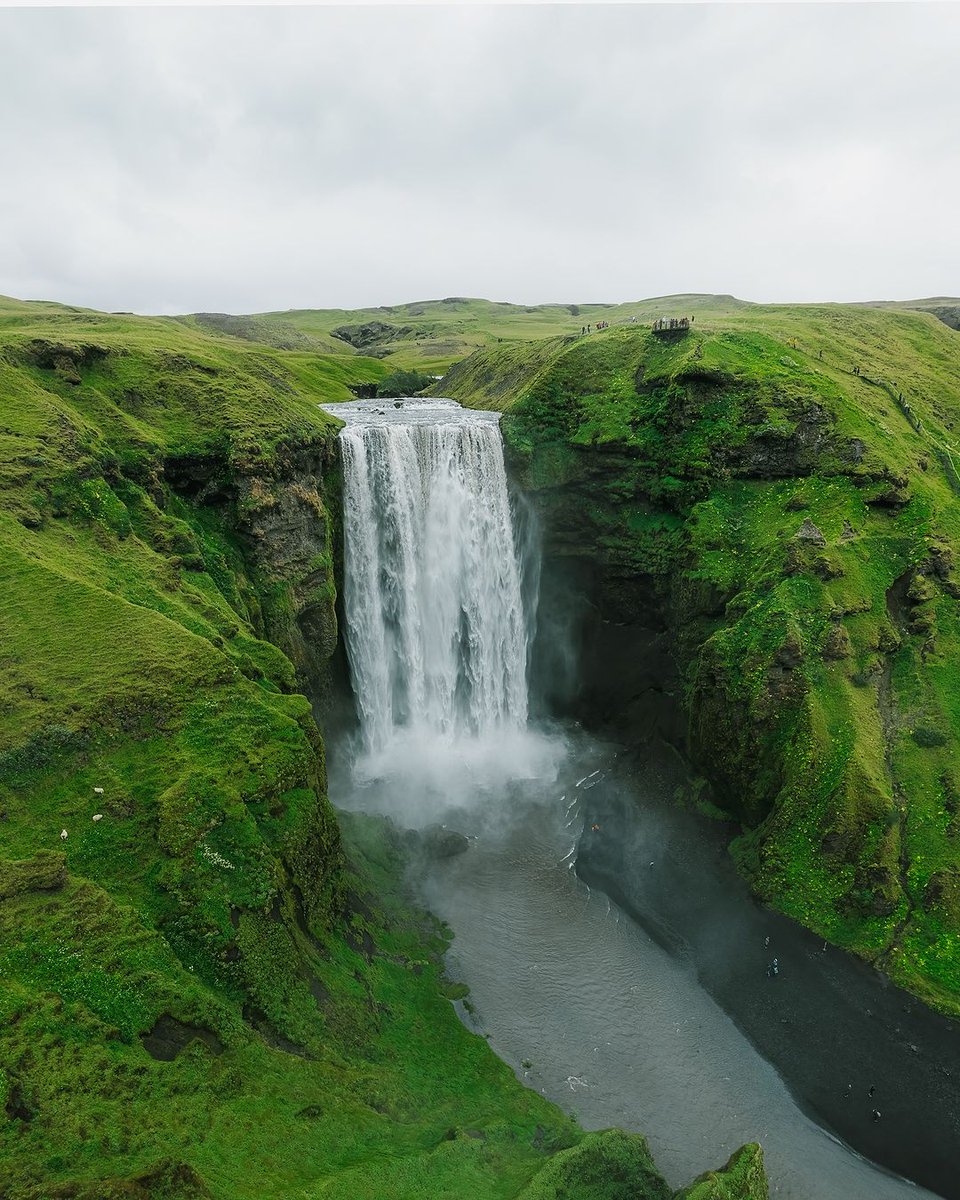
pixel 212 985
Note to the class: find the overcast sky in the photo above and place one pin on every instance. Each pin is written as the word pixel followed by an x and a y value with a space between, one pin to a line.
pixel 249 159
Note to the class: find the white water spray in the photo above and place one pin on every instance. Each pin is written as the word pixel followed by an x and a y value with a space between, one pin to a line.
pixel 437 631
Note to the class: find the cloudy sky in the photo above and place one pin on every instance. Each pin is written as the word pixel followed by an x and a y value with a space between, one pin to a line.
pixel 240 160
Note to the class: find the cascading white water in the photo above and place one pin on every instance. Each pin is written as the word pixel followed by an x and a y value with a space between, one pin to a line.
pixel 437 631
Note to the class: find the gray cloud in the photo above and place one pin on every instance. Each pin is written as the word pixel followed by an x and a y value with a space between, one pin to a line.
pixel 245 159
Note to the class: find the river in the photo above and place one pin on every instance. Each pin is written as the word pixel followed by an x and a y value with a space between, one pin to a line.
pixel 617 1027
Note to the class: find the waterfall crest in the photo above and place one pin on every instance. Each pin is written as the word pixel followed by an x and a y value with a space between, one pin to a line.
pixel 437 631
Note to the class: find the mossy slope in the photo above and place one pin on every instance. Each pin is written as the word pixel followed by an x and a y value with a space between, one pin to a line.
pixel 201 993
pixel 742 1176
pixel 786 478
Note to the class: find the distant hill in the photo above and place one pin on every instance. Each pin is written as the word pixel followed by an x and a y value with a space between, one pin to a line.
pixel 944 308
pixel 430 335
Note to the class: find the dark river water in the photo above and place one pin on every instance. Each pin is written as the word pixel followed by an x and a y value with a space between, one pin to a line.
pixel 652 1010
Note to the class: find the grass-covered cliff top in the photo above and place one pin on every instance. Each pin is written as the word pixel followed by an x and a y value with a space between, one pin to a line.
pixel 155 380
pixel 205 989
pixel 745 339
pixel 788 478
pixel 97 415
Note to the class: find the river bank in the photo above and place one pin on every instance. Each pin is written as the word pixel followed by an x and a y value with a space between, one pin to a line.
pixel 848 1043
pixel 588 1007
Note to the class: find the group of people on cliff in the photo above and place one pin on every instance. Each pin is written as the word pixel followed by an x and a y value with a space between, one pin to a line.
pixel 660 325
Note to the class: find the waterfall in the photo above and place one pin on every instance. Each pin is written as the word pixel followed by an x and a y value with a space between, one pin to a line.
pixel 436 584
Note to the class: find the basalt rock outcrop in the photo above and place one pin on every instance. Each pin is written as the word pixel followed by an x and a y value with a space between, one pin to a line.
pixel 745 527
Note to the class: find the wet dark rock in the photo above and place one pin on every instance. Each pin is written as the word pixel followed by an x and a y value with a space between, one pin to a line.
pixel 837 645
pixel 795 560
pixel 259 1020
pixel 169 1037
pixel 361 942
pixel 282 511
pixel 370 334
pixel 826 568
pixel 808 532
pixel 775 453
pixel 873 1026
pixel 888 640
pixel 920 589
pixel 64 358
pixel 790 654
pixel 941 560
pixel 439 842
pixel 17 1107
pixel 836 843
pixel 892 492
pixel 876 891
pixel 355 906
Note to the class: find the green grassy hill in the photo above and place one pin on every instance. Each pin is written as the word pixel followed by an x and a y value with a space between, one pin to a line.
pixel 209 986
pixel 944 308
pixel 786 477
pixel 432 334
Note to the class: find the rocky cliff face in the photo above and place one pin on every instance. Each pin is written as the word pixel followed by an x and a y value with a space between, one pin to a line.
pixel 758 539
pixel 283 508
